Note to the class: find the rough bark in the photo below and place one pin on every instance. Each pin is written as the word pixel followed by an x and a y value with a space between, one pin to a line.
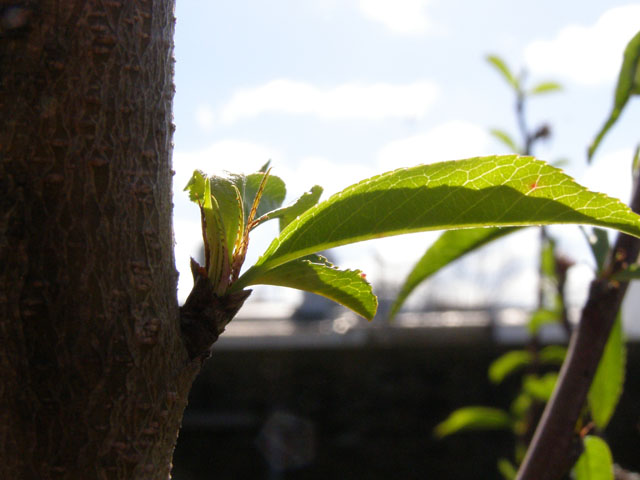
pixel 94 374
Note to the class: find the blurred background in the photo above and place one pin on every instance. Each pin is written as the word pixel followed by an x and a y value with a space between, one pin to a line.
pixel 335 91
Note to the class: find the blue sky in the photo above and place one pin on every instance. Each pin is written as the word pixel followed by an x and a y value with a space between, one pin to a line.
pixel 333 91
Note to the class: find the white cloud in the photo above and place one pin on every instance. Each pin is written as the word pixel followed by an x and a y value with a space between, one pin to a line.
pixel 406 17
pixel 450 141
pixel 205 117
pixel 349 101
pixel 587 55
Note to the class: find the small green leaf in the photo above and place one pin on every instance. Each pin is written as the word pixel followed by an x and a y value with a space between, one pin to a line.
pixel 506 139
pixel 599 243
pixel 548 258
pixel 501 67
pixel 231 210
pixel 628 84
pixel 316 275
pixel 195 187
pixel 474 418
pixel 507 364
pixel 505 190
pixel 520 407
pixel 553 354
pixel 596 461
pixel 272 196
pixel 632 272
pixel 449 247
pixel 540 388
pixel 542 317
pixel 545 87
pixel 304 203
pixel 608 382
pixel 507 469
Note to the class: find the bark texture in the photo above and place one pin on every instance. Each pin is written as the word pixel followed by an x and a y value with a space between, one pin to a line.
pixel 94 375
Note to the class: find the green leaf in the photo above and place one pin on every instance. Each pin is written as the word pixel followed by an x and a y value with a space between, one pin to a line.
pixel 507 469
pixel 507 364
pixel 545 87
pixel 628 84
pixel 231 210
pixel 506 139
pixel 304 203
pixel 501 67
pixel 474 418
pixel 632 272
pixel 505 190
pixel 596 462
pixel 196 186
pixel 315 274
pixel 553 354
pixel 272 196
pixel 540 388
pixel 512 361
pixel 608 382
pixel 520 407
pixel 599 243
pixel 450 246
pixel 542 317
pixel 548 258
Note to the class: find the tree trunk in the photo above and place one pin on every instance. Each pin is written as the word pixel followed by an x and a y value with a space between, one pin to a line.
pixel 94 374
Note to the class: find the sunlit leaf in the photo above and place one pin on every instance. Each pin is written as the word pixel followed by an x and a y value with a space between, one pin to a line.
pixel 315 274
pixel 542 317
pixel 501 67
pixel 291 212
pixel 231 209
pixel 596 462
pixel 507 364
pixel 506 139
pixel 272 195
pixel 474 418
pixel 505 190
pixel 507 469
pixel 628 84
pixel 540 388
pixel 450 246
pixel 545 87
pixel 608 381
pixel 552 354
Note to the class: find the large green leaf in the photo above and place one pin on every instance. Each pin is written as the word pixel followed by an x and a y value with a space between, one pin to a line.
pixel 450 246
pixel 474 418
pixel 315 274
pixel 628 84
pixel 607 384
pixel 596 462
pixel 505 190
